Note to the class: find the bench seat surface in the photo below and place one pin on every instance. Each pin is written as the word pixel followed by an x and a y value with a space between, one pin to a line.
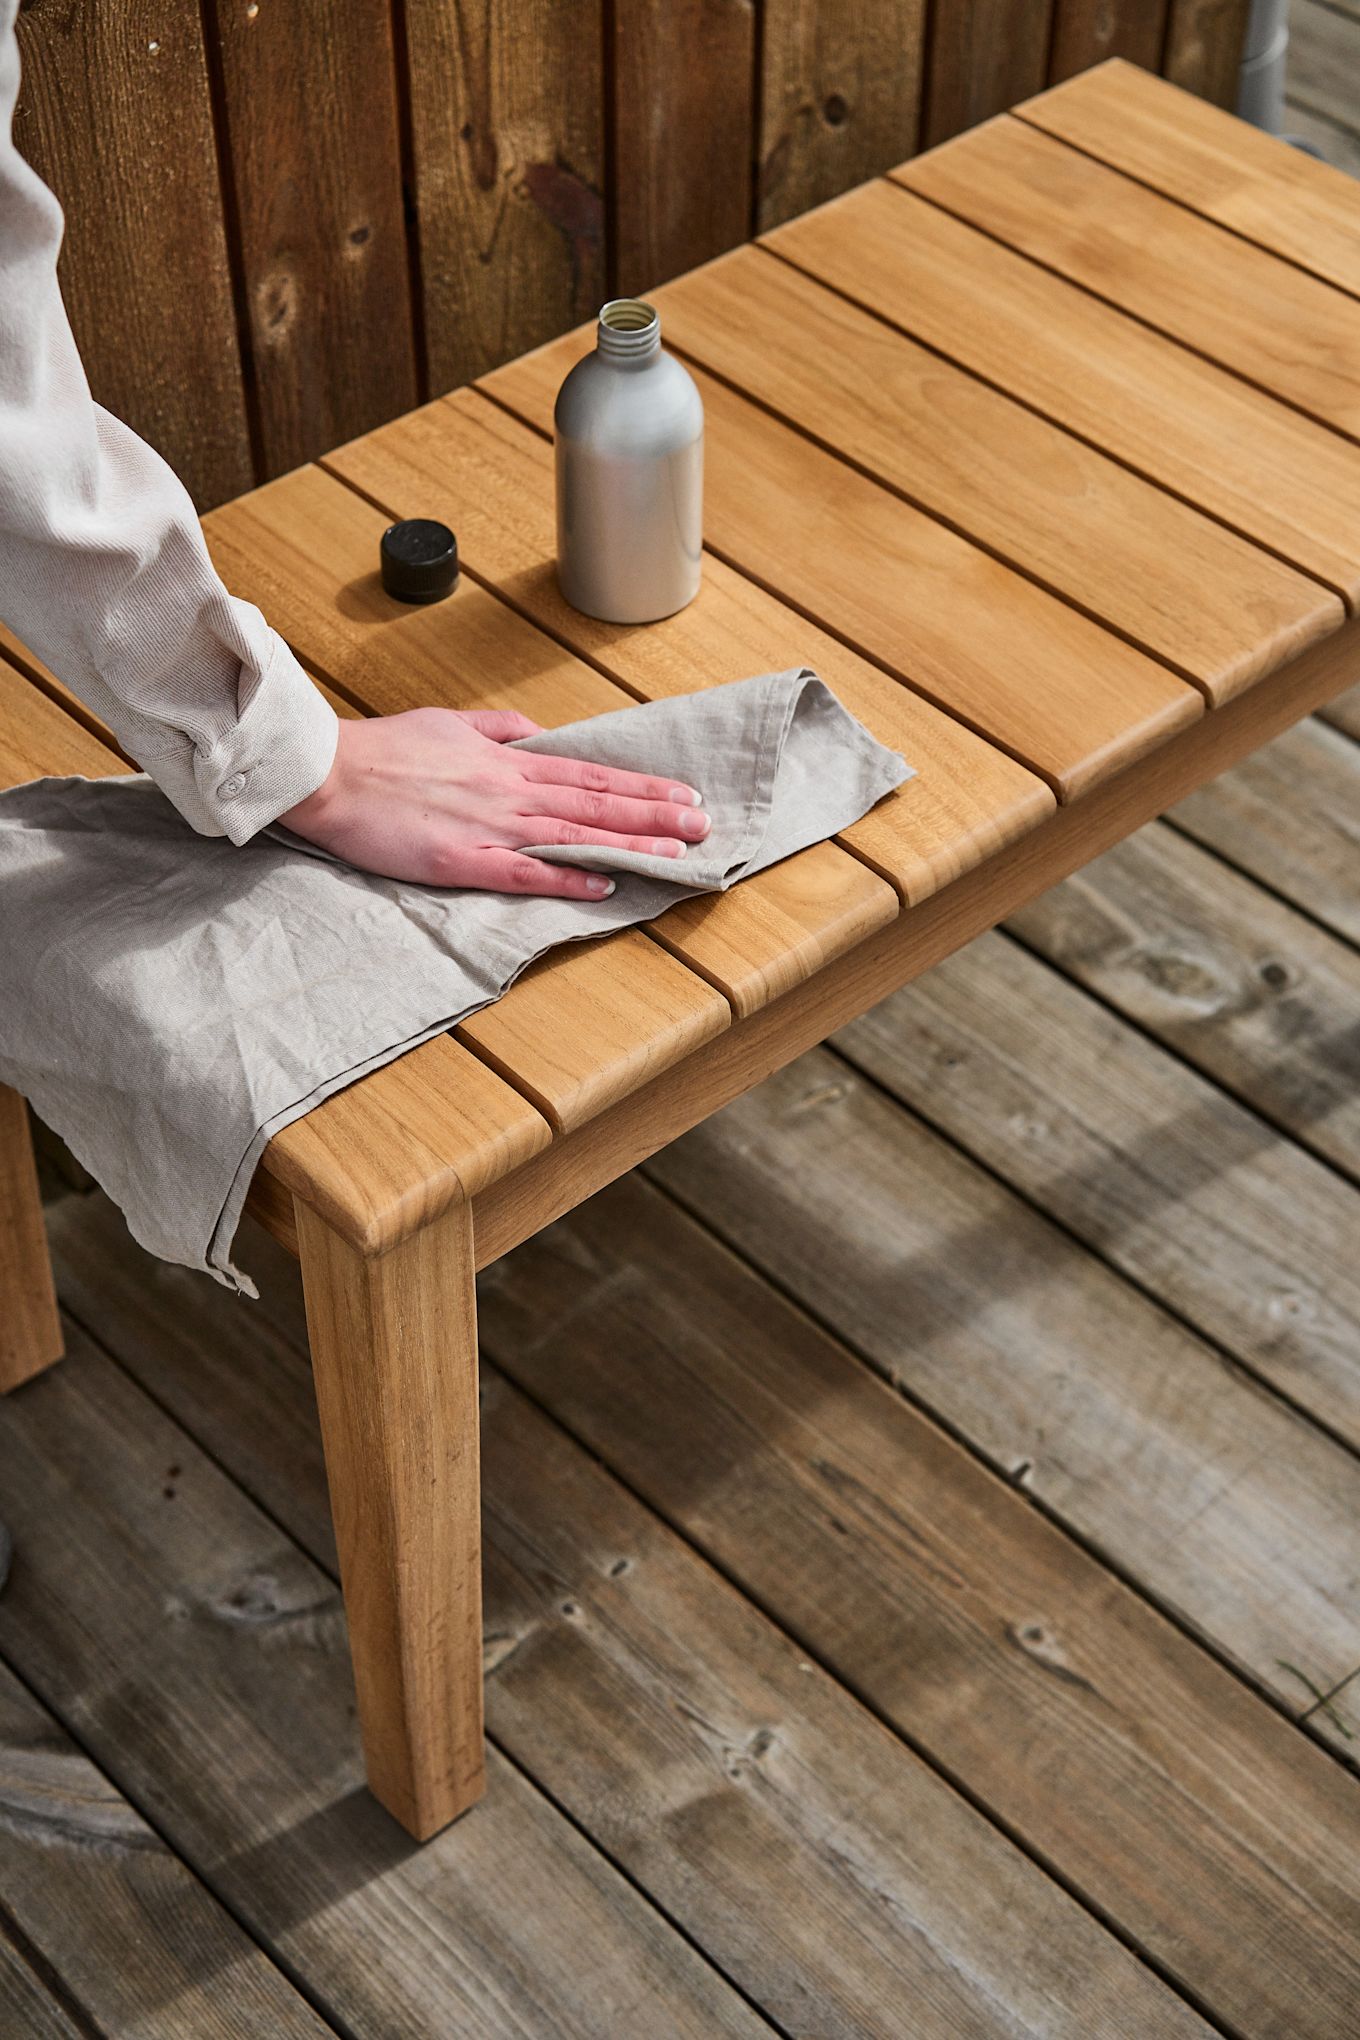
pixel 1041 450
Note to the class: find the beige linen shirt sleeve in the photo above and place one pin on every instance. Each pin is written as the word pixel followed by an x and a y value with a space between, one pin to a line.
pixel 103 570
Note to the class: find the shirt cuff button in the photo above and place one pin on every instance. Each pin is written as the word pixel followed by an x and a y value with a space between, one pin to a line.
pixel 229 788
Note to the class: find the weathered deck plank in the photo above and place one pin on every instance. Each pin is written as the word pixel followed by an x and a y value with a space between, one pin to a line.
pixel 1233 980
pixel 135 1940
pixel 1193 1197
pixel 1290 817
pixel 200 1658
pixel 655 1705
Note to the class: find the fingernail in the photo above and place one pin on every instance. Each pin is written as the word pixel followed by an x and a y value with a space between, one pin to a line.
pixel 694 825
pixel 685 796
pixel 673 848
pixel 601 887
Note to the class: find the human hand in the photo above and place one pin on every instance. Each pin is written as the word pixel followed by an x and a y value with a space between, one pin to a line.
pixel 435 796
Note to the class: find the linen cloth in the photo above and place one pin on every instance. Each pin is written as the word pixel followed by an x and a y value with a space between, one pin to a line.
pixel 169 1001
pixel 104 572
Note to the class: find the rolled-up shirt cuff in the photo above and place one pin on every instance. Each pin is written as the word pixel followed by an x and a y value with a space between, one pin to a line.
pixel 277 752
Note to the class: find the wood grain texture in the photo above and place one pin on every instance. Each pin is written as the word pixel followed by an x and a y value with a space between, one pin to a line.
pixel 839 99
pixel 1170 415
pixel 694 1742
pixel 1245 1237
pixel 1291 819
pixel 1277 327
pixel 507 142
pixel 389 1154
pixel 114 115
pixel 585 1026
pixel 200 1657
pixel 683 141
pixel 1219 166
pixel 468 458
pixel 394 1356
pixel 983 56
pixel 1222 1505
pixel 1022 668
pixel 30 1330
pixel 1086 32
pixel 1247 990
pixel 134 1940
pixel 303 548
pixel 1203 48
pixel 1206 602
pixel 752 1049
pixel 966 1619
pixel 26 2005
pixel 310 116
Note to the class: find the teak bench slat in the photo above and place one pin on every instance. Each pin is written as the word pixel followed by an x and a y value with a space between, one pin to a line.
pixel 1011 448
pixel 1170 415
pixel 1194 152
pixel 1271 323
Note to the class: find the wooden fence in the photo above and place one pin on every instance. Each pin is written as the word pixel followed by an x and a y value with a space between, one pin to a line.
pixel 288 220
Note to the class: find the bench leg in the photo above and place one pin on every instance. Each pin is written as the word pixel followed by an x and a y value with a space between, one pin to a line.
pixel 30 1330
pixel 394 1354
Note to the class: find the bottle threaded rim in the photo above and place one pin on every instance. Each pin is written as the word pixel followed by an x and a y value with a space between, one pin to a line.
pixel 628 329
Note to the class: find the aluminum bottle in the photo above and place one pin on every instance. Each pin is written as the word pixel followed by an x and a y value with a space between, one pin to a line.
pixel 629 429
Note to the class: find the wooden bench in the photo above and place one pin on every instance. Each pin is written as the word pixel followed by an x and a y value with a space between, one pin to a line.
pixel 1043 452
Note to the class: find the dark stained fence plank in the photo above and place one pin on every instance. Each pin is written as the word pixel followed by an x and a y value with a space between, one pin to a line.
pixel 839 99
pixel 1204 40
pixel 114 114
pixel 507 138
pixel 1085 32
pixel 133 1939
pixel 683 143
pixel 314 166
pixel 984 55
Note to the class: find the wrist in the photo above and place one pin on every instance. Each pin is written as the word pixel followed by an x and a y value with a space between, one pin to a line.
pixel 321 804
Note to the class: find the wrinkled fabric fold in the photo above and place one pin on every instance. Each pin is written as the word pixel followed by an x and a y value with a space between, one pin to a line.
pixel 170 1001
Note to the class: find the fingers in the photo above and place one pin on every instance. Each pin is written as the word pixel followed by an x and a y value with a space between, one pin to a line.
pixel 615 813
pixel 509 871
pixel 500 724
pixel 576 834
pixel 543 768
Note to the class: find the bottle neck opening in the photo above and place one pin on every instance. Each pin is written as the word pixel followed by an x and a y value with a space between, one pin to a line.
pixel 629 330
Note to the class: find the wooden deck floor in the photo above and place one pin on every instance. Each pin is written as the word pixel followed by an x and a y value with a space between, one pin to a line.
pixel 923 1523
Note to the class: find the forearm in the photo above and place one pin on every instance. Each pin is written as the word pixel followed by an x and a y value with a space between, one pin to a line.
pixel 103 568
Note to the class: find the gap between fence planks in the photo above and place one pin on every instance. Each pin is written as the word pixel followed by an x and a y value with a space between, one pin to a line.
pixel 507 141
pixel 176 380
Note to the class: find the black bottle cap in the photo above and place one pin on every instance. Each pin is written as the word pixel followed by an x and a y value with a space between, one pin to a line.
pixel 419 560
